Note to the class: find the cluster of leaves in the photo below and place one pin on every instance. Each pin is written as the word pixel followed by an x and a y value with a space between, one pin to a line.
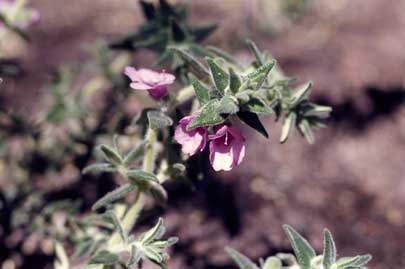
pixel 226 88
pixel 305 256
pixel 165 25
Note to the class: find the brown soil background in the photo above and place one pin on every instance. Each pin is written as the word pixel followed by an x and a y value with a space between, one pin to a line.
pixel 352 181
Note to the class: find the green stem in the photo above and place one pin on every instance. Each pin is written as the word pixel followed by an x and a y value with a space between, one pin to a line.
pixel 133 212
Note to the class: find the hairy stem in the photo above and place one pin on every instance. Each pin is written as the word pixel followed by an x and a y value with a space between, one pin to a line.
pixel 133 212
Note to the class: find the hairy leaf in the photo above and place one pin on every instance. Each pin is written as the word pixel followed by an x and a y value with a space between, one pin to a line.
pixel 114 195
pixel 99 168
pixel 118 225
pixel 257 105
pixel 134 154
pixel 305 130
pixel 288 126
pixel 302 249
pixel 158 120
pixel 201 91
pixel 137 174
pixel 228 105
pixel 110 154
pixel 220 76
pixel 208 116
pixel 188 58
pixel 235 81
pixel 255 50
pixel 329 250
pixel 301 93
pixel 241 260
pixel 104 257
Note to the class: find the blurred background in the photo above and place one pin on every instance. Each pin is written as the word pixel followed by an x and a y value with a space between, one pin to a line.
pixel 351 181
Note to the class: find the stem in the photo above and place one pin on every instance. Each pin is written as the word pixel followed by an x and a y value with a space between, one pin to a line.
pixel 133 212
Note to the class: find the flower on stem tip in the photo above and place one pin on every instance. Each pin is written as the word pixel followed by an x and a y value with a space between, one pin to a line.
pixel 193 140
pixel 16 13
pixel 227 148
pixel 154 82
pixel 227 144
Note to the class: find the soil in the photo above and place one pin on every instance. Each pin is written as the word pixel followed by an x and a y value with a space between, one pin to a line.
pixel 351 181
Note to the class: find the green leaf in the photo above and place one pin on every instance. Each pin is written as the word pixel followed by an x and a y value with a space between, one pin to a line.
pixel 136 174
pixel 301 93
pixel 84 248
pixel 353 262
pixel 110 154
pixel 134 154
pixel 99 168
pixel 228 105
pixel 329 250
pixel 288 125
pixel 305 131
pixel 261 71
pixel 257 105
pixel 154 233
pixel 313 110
pixel 302 249
pixel 148 10
pixel 216 52
pixel 272 263
pixel 158 120
pixel 201 33
pixel 152 254
pixel 166 9
pixel 265 70
pixel 117 224
pixel 104 257
pixel 158 193
pixel 255 50
pixel 201 91
pixel 116 144
pixel 114 195
pixel 253 121
pixel 235 81
pixel 188 58
pixel 241 260
pixel 134 256
pixel 178 32
pixel 208 116
pixel 220 76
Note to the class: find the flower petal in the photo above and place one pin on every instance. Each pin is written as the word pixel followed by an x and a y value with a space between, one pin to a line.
pixel 221 155
pixel 191 141
pixel 158 92
pixel 140 86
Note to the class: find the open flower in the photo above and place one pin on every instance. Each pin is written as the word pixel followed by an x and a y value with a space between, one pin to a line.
pixel 154 82
pixel 227 148
pixel 18 14
pixel 193 140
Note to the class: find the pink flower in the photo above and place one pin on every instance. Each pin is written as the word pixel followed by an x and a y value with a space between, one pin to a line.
pixel 227 148
pixel 154 82
pixel 22 18
pixel 193 140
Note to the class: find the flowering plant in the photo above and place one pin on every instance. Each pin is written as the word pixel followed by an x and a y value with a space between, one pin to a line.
pixel 217 99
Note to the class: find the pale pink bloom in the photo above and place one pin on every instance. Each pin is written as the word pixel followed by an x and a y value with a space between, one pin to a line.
pixel 227 148
pixel 23 18
pixel 154 82
pixel 193 140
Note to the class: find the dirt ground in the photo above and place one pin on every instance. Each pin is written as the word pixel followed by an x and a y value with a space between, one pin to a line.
pixel 351 181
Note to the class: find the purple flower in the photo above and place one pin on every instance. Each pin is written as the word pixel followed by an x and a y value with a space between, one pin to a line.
pixel 154 82
pixel 227 148
pixel 193 140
